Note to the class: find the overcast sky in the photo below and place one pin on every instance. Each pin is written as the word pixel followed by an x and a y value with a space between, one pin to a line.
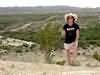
pixel 77 3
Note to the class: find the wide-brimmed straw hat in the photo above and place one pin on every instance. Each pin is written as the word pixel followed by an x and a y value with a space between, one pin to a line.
pixel 71 14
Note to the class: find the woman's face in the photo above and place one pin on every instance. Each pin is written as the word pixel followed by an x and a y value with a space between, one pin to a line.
pixel 70 19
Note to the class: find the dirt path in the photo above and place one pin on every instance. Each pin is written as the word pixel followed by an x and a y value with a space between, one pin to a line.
pixel 21 68
pixel 22 27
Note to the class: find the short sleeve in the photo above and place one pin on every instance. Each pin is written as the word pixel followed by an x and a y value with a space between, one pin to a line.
pixel 64 27
pixel 77 27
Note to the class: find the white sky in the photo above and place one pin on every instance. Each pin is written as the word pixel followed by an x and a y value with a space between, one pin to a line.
pixel 77 3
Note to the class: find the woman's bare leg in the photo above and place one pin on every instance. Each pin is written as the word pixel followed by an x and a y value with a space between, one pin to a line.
pixel 71 55
pixel 75 53
pixel 68 56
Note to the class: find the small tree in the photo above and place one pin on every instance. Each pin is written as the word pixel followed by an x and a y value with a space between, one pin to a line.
pixel 49 37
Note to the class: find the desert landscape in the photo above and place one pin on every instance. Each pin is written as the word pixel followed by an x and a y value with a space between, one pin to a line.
pixel 24 49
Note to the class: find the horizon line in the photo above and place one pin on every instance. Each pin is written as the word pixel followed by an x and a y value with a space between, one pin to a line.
pixel 48 6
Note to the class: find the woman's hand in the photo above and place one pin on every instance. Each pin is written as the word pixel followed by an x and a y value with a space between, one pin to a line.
pixel 73 44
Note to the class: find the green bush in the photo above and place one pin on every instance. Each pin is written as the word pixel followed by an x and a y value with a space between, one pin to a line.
pixel 49 37
pixel 96 56
pixel 61 62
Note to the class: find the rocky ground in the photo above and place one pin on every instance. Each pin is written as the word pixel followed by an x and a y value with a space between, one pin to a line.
pixel 28 63
pixel 21 68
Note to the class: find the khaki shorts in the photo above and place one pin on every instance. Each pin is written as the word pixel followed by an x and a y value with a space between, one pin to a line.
pixel 70 45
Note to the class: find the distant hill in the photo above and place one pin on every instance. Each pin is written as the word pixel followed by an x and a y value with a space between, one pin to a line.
pixel 45 9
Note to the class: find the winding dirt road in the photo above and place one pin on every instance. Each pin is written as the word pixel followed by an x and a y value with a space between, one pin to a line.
pixel 22 27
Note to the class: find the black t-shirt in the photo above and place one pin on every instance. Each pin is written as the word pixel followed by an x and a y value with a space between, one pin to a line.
pixel 70 32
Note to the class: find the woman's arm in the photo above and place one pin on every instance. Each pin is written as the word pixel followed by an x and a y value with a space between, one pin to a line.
pixel 77 34
pixel 77 37
pixel 63 33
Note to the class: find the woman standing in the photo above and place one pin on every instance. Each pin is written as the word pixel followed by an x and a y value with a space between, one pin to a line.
pixel 72 31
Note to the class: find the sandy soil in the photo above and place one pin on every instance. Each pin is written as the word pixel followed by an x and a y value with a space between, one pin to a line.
pixel 21 68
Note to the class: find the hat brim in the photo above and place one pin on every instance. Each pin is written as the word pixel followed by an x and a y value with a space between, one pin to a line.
pixel 73 15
